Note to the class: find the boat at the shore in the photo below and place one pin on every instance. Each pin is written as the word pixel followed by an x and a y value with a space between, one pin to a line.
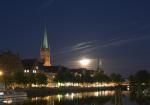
pixel 146 92
pixel 12 94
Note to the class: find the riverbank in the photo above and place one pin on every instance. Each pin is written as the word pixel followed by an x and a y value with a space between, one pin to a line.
pixel 52 91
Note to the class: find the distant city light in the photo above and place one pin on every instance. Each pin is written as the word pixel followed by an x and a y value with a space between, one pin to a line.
pixel 1 73
pixel 85 62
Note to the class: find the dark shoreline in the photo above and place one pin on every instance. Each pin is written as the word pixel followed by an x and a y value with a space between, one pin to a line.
pixel 53 91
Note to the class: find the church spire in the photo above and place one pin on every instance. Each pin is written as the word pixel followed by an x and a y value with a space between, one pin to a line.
pixel 45 50
pixel 45 40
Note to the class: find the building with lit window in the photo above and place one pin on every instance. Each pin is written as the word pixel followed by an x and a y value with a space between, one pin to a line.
pixel 31 66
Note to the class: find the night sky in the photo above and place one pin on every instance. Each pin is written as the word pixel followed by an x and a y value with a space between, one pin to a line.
pixel 117 31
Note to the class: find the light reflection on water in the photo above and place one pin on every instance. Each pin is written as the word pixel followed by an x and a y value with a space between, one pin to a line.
pixel 84 98
pixel 72 96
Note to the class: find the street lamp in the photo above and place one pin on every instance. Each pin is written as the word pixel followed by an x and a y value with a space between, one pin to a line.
pixel 1 73
pixel 1 76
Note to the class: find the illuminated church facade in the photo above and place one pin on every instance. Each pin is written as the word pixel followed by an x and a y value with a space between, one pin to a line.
pixel 45 50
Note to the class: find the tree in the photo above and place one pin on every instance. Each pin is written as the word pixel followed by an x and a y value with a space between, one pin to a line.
pixel 64 76
pixel 10 65
pixel 106 78
pixel 77 78
pixel 116 78
pixel 139 81
pixel 41 79
pixel 87 78
pixel 60 76
pixel 142 76
pixel 101 77
pixel 8 81
pixel 19 78
pixel 10 62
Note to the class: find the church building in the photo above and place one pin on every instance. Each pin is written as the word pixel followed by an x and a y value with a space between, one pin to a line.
pixel 45 50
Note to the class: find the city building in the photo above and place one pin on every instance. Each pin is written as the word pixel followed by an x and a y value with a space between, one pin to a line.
pixel 35 67
pixel 31 66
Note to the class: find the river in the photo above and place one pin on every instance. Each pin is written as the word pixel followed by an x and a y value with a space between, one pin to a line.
pixel 84 98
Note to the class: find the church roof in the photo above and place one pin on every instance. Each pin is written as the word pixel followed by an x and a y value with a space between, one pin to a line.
pixel 51 69
pixel 29 63
pixel 45 40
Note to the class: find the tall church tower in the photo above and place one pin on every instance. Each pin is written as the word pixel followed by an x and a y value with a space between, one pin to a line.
pixel 45 50
pixel 99 66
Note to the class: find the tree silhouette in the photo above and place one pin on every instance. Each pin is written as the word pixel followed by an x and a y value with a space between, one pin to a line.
pixel 116 78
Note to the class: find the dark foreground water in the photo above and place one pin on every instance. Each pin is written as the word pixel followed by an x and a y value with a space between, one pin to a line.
pixel 86 98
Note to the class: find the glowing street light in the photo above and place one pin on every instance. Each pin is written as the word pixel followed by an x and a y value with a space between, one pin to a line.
pixel 1 73
pixel 85 62
pixel 3 80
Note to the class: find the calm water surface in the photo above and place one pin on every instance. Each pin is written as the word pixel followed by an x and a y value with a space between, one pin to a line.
pixel 86 98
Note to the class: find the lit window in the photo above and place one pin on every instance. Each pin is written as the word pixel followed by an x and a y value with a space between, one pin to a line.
pixel 37 67
pixel 25 71
pixel 34 71
pixel 1 93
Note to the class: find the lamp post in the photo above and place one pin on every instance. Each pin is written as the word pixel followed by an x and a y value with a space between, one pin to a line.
pixel 1 74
